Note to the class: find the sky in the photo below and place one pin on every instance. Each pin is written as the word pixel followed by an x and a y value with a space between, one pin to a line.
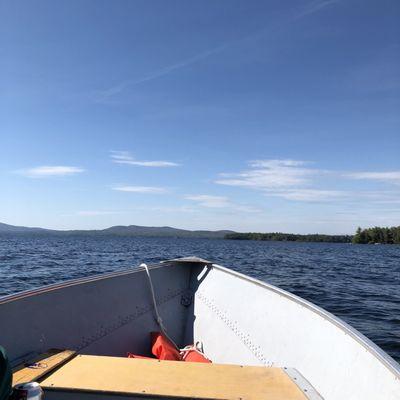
pixel 244 115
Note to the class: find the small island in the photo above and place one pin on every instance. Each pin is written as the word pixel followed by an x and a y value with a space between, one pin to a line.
pixel 362 236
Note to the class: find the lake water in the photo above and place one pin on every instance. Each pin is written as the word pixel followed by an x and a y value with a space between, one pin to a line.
pixel 360 283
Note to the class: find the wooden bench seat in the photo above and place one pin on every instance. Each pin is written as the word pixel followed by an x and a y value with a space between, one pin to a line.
pixel 37 367
pixel 108 376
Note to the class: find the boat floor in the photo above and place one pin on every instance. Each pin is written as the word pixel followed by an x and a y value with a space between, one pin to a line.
pixel 100 377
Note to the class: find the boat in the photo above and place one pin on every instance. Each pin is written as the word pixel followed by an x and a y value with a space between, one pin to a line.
pixel 72 339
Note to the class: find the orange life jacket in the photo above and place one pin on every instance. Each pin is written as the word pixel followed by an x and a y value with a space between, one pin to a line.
pixel 163 348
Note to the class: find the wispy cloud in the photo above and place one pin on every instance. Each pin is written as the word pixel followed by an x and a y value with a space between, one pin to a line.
pixel 124 157
pixel 299 181
pixel 141 189
pixel 93 213
pixel 270 174
pixel 310 195
pixel 388 177
pixel 161 209
pixel 325 195
pixel 209 201
pixel 205 200
pixel 166 209
pixel 46 171
pixel 310 8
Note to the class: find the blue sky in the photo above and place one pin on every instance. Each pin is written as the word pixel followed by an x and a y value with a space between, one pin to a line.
pixel 245 115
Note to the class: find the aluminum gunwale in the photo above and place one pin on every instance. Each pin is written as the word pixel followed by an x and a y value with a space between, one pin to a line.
pixel 370 346
pixel 73 282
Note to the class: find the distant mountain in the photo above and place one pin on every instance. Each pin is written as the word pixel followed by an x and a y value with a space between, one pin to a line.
pixel 135 230
pixel 20 229
pixel 122 230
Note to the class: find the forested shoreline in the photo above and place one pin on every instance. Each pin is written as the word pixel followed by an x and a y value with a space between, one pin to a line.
pixel 377 235
pixel 381 235
pixel 289 237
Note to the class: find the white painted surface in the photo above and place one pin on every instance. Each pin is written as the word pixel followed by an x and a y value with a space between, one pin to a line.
pixel 241 320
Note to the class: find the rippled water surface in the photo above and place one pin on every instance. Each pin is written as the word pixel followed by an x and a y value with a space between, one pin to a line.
pixel 360 284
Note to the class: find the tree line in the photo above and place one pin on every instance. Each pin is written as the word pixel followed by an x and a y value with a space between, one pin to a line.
pixel 289 237
pixel 362 236
pixel 377 235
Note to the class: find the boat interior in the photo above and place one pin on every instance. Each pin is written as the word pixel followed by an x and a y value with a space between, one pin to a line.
pixel 68 375
pixel 264 343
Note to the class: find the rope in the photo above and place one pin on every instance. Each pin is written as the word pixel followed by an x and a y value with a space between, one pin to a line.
pixel 157 315
pixel 198 347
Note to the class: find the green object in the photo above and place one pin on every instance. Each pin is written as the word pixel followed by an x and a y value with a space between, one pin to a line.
pixel 5 375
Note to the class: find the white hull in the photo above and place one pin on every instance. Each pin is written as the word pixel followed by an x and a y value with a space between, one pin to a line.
pixel 239 320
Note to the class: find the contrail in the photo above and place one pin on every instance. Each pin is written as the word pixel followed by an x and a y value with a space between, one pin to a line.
pixel 163 71
pixel 311 8
pixel 314 7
